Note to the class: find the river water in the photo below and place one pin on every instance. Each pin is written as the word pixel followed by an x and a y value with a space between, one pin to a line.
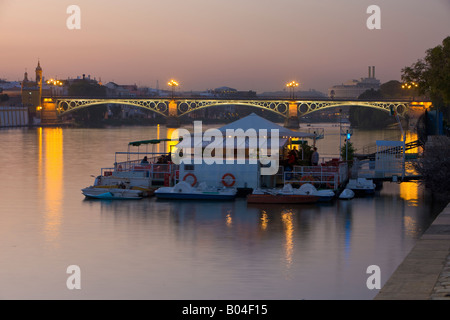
pixel 153 249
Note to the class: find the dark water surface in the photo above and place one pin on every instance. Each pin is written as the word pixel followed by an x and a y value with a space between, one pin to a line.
pixel 153 249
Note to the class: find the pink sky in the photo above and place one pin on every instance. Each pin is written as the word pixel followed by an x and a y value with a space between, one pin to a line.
pixel 246 44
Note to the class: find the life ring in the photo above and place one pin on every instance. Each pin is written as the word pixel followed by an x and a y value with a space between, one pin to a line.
pixel 306 179
pixel 228 184
pixel 191 175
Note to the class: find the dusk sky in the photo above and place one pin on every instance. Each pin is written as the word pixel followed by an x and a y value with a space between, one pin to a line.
pixel 255 45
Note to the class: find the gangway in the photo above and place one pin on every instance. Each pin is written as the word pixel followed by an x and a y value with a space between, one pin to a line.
pixel 392 150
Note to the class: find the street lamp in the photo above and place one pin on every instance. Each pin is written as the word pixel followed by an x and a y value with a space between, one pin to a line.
pixel 410 85
pixel 292 86
pixel 54 83
pixel 172 83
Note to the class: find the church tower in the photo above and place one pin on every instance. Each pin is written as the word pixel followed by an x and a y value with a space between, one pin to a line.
pixel 32 90
pixel 39 77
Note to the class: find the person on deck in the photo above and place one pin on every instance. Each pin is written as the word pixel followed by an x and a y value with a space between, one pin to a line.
pixel 315 157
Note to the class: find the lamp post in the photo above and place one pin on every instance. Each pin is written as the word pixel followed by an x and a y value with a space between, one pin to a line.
pixel 410 85
pixel 53 83
pixel 292 86
pixel 172 83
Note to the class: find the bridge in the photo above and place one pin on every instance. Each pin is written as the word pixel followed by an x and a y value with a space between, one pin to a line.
pixel 172 109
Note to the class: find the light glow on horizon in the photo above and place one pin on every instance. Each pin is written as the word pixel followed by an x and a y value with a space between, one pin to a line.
pixel 208 45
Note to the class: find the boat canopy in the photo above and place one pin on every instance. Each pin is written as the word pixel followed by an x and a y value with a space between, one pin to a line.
pixel 153 141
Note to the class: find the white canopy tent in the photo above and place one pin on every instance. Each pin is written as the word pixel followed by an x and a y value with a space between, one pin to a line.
pixel 253 121
pixel 245 126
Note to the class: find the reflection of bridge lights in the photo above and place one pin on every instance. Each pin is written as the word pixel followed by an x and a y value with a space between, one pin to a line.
pixel 229 220
pixel 409 191
pixel 287 218
pixel 264 220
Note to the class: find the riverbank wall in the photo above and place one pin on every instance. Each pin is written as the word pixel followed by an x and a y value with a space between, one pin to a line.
pixel 425 272
pixel 13 116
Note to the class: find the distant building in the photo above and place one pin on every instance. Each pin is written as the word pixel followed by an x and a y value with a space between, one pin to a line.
pixel 32 90
pixel 354 88
pixel 11 88
pixel 227 92
pixel 123 91
pixel 286 94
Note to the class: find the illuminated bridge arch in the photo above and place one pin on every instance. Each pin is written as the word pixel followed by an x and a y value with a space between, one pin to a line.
pixel 180 107
pixel 65 106
pixel 279 107
pixel 306 107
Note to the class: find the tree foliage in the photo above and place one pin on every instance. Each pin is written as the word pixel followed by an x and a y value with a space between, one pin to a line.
pixel 88 89
pixel 369 118
pixel 434 167
pixel 348 151
pixel 432 74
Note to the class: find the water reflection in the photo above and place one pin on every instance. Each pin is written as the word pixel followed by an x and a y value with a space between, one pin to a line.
pixel 150 249
pixel 264 220
pixel 52 156
pixel 345 210
pixel 409 191
pixel 286 217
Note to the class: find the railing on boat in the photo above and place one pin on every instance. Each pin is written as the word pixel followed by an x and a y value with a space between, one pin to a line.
pixel 153 168
pixel 328 176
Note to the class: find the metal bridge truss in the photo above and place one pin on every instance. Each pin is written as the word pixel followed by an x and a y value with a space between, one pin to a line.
pixel 64 106
pixel 185 106
pixel 306 107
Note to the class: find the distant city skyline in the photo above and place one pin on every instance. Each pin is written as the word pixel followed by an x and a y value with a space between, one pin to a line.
pixel 248 45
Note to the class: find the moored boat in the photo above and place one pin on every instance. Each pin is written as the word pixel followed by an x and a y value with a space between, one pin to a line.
pixel 268 197
pixel 112 193
pixel 347 194
pixel 287 194
pixel 184 191
pixel 324 195
pixel 361 186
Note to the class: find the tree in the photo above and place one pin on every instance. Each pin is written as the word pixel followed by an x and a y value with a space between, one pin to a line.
pixel 434 167
pixel 348 153
pixel 4 97
pixel 88 89
pixel 432 74
pixel 369 118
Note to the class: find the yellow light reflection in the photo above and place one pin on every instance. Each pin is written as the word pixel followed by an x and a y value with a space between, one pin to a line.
pixel 53 138
pixel 39 133
pixel 157 137
pixel 287 219
pixel 410 225
pixel 264 220
pixel 409 191
pixel 410 137
pixel 171 144
pixel 229 220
